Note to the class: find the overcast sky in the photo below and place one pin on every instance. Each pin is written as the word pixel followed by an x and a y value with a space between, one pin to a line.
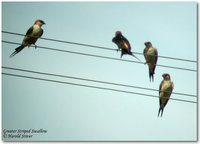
pixel 71 112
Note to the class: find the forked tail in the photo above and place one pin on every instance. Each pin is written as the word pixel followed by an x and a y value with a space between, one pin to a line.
pixel 135 57
pixel 17 50
pixel 160 110
pixel 151 76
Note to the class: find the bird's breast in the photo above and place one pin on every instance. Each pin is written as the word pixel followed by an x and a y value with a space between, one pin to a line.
pixel 166 86
pixel 150 52
pixel 36 30
pixel 150 56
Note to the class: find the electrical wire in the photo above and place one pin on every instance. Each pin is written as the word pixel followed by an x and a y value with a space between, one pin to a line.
pixel 91 86
pixel 99 56
pixel 90 80
pixel 100 47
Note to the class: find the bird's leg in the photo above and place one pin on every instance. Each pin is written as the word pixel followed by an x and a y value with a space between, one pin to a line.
pixel 35 46
pixel 146 63
pixel 118 49
pixel 122 54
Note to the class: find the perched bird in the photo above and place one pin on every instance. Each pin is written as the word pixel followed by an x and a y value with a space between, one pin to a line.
pixel 123 44
pixel 165 91
pixel 32 35
pixel 151 56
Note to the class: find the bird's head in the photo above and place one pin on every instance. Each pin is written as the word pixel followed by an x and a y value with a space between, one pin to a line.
pixel 166 76
pixel 148 44
pixel 39 22
pixel 118 33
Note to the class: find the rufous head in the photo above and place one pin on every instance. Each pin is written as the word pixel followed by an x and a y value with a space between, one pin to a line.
pixel 118 33
pixel 148 44
pixel 166 76
pixel 39 22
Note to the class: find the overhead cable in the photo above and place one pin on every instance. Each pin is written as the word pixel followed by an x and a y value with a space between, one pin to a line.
pixel 91 86
pixel 90 80
pixel 99 47
pixel 105 57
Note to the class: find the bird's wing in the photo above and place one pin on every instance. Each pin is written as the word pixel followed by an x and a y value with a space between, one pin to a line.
pixel 30 30
pixel 114 40
pixel 119 42
pixel 160 86
pixel 155 59
pixel 129 46
pixel 172 87
pixel 126 43
pixel 160 100
pixel 156 55
pixel 41 33
pixel 144 53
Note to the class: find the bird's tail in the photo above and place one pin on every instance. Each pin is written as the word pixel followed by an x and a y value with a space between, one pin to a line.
pixel 135 57
pixel 160 110
pixel 18 49
pixel 151 75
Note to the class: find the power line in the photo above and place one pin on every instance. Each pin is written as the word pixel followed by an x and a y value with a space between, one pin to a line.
pixel 90 86
pixel 90 80
pixel 99 47
pixel 99 56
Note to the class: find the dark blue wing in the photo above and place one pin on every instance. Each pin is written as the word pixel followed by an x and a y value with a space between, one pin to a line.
pixel 41 33
pixel 30 30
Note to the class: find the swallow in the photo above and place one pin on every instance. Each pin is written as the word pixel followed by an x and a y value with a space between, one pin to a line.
pixel 165 91
pixel 151 56
pixel 123 44
pixel 32 35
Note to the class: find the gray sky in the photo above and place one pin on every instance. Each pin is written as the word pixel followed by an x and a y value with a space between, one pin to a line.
pixel 78 113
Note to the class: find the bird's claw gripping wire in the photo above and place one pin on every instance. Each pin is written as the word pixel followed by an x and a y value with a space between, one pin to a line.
pixel 35 46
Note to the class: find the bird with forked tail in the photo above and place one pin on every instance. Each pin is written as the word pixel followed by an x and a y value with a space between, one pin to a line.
pixel 165 91
pixel 151 56
pixel 123 44
pixel 32 35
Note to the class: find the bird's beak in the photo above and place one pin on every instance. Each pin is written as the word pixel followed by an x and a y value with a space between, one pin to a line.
pixel 43 22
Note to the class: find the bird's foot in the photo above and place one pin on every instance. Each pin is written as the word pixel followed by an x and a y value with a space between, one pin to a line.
pixel 147 63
